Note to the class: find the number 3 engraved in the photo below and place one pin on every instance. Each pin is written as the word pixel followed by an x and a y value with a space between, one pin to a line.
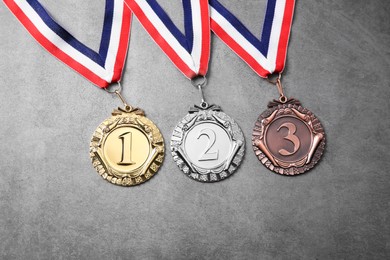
pixel 291 137
pixel 126 149
pixel 207 155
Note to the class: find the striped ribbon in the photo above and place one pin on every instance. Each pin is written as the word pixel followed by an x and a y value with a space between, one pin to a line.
pixel 266 55
pixel 102 67
pixel 190 51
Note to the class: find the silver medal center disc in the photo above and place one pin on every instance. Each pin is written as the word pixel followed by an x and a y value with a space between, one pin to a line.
pixel 207 144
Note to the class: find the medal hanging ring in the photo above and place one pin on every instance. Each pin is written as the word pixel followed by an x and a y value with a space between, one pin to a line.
pixel 200 82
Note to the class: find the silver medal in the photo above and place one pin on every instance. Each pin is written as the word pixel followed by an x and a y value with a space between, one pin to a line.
pixel 207 144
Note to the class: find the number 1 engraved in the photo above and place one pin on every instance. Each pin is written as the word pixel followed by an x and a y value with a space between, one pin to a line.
pixel 207 155
pixel 126 149
pixel 291 137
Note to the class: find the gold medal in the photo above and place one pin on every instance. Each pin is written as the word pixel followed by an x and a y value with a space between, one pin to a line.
pixel 127 148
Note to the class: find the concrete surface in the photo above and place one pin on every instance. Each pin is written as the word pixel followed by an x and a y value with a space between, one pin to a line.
pixel 53 205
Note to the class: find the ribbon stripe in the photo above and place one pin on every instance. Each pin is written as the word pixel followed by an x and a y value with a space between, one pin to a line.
pixel 265 56
pixel 189 52
pixel 101 68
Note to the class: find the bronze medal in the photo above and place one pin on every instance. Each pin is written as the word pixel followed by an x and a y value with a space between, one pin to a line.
pixel 287 138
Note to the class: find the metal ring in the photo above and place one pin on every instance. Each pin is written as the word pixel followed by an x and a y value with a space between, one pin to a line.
pixel 204 104
pixel 202 83
pixel 283 99
pixel 119 89
pixel 276 81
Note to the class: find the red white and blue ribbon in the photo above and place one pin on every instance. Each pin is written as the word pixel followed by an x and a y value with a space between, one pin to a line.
pixel 102 67
pixel 190 51
pixel 266 55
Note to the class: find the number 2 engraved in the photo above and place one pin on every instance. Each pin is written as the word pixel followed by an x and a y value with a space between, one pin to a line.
pixel 291 137
pixel 207 155
pixel 126 149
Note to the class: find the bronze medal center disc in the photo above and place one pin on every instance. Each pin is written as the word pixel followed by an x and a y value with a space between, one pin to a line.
pixel 126 149
pixel 288 138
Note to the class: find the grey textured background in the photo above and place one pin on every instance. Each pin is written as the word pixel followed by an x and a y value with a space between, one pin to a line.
pixel 54 205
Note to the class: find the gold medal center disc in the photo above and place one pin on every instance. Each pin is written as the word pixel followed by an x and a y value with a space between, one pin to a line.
pixel 127 149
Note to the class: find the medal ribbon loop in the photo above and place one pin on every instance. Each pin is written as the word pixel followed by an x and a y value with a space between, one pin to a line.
pixel 100 67
pixel 190 51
